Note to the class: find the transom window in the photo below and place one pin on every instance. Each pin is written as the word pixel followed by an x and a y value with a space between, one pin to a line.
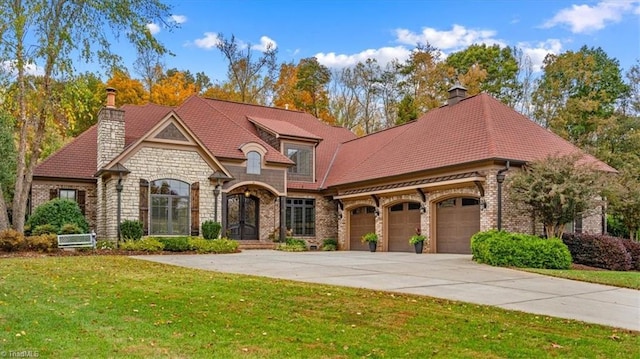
pixel 303 157
pixel 254 162
pixel 169 207
pixel 301 216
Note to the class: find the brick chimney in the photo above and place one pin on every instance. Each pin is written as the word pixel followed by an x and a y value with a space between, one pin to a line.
pixel 110 130
pixel 456 93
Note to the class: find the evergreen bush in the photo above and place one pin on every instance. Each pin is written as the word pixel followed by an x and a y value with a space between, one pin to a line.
pixel 58 212
pixel 44 229
pixel 131 229
pixel 211 229
pixel 519 250
pixel 598 251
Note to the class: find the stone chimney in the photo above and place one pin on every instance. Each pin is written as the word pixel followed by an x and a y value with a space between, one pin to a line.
pixel 456 93
pixel 110 130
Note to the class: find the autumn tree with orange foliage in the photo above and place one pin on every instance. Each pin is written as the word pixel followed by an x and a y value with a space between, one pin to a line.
pixel 130 91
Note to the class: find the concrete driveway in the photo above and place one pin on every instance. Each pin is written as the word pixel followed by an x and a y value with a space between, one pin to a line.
pixel 446 276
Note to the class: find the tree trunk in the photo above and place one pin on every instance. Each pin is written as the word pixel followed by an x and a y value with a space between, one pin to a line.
pixel 4 216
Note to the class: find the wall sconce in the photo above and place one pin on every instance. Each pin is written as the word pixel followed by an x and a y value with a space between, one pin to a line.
pixel 483 204
pixel 423 208
pixel 247 193
pixel 377 212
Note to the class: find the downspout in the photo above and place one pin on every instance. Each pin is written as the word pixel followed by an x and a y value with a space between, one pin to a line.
pixel 500 176
pixel 119 208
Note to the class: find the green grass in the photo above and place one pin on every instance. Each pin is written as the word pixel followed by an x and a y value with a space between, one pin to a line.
pixel 110 306
pixel 617 279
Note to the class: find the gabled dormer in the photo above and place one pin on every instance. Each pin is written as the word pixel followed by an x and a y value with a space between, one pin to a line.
pixel 294 142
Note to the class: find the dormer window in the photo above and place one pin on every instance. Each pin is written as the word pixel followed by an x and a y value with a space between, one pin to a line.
pixel 302 155
pixel 254 163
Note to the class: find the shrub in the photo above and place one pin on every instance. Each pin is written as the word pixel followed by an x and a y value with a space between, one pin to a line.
pixel 211 229
pixel 106 244
pixel 58 212
pixel 222 245
pixel 633 248
pixel 11 240
pixel 329 244
pixel 42 243
pixel 174 244
pixel 131 229
pixel 519 250
pixel 293 245
pixel 598 251
pixel 145 245
pixel 44 229
pixel 70 228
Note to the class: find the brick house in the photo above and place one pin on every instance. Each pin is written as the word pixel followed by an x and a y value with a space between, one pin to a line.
pixel 261 171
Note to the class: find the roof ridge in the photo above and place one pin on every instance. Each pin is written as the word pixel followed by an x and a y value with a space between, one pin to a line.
pixel 251 104
pixel 488 122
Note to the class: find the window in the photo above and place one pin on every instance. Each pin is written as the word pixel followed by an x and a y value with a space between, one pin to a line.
pixel 303 158
pixel 301 216
pixel 69 194
pixel 254 162
pixel 169 207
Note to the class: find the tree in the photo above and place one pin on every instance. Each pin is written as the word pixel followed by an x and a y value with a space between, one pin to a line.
pixel 624 201
pixel 81 101
pixel 285 92
pixel 555 190
pixel 500 65
pixel 313 79
pixel 577 95
pixel 130 91
pixel 57 29
pixel 425 78
pixel 7 165
pixel 252 79
pixel 149 65
pixel 173 89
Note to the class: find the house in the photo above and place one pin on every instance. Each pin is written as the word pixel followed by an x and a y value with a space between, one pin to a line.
pixel 262 171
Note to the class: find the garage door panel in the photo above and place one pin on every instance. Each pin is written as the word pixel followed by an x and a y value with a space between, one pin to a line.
pixel 362 221
pixel 403 219
pixel 457 220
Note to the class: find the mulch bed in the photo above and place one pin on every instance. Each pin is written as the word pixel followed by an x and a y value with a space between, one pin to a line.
pixel 84 252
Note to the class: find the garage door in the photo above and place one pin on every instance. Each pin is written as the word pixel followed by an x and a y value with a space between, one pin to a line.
pixel 362 221
pixel 457 220
pixel 403 219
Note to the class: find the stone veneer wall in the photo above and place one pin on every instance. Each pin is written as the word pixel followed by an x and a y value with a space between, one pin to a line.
pixel 153 164
pixel 110 135
pixel 40 195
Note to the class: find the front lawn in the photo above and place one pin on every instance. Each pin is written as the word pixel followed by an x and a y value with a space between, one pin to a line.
pixel 110 306
pixel 618 279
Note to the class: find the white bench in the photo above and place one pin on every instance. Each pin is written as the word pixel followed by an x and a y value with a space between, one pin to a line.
pixel 77 240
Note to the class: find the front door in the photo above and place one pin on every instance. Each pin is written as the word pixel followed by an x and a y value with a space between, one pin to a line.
pixel 242 217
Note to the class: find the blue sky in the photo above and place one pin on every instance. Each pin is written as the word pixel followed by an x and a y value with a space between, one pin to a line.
pixel 341 33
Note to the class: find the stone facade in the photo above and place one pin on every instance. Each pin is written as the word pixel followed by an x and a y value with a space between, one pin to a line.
pixel 110 135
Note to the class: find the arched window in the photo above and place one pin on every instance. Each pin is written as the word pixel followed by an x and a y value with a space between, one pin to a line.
pixel 254 162
pixel 169 207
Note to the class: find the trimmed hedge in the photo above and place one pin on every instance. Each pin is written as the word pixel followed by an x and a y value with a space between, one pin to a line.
pixel 506 249
pixel 174 244
pixel 131 229
pixel 211 229
pixel 145 245
pixel 42 243
pixel 11 240
pixel 598 251
pixel 58 212
pixel 222 245
pixel 634 251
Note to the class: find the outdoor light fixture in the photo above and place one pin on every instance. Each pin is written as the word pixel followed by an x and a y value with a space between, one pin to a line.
pixel 247 194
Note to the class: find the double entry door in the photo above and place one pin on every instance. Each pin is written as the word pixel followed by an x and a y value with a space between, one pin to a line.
pixel 242 217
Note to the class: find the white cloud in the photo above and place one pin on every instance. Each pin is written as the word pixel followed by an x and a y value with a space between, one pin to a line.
pixel 456 38
pixel 208 42
pixel 265 41
pixel 9 67
pixel 537 52
pixel 586 18
pixel 179 19
pixel 383 55
pixel 153 28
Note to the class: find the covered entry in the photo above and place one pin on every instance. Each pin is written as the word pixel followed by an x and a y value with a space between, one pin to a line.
pixel 362 221
pixel 403 219
pixel 457 219
pixel 242 216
